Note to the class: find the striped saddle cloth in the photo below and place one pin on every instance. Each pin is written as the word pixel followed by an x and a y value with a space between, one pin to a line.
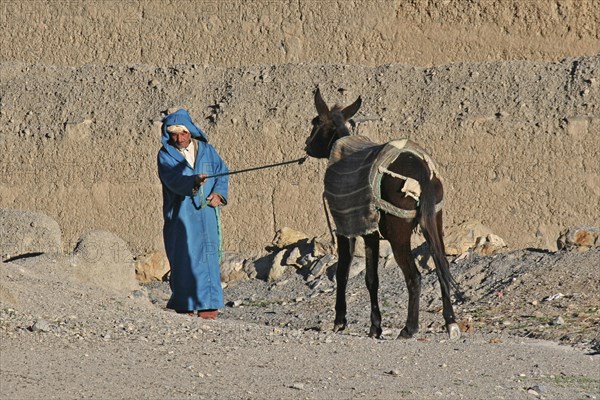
pixel 353 178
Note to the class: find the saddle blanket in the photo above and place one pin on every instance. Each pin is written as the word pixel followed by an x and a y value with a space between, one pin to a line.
pixel 352 182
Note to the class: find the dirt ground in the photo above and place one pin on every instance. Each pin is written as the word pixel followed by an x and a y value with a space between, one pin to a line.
pixel 64 339
pixel 505 95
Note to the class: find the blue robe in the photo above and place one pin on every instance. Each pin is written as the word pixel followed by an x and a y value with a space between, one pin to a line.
pixel 191 232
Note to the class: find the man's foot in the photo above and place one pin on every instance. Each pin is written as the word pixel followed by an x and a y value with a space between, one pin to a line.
pixel 208 314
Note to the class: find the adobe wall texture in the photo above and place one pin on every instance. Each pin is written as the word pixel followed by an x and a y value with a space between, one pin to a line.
pixel 237 33
pixel 505 96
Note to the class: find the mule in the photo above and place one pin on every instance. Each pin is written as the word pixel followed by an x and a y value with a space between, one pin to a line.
pixel 329 126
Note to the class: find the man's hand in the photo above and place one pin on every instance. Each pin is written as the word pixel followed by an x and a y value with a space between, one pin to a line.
pixel 200 179
pixel 214 200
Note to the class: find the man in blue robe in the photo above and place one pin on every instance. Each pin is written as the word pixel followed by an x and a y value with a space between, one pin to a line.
pixel 191 204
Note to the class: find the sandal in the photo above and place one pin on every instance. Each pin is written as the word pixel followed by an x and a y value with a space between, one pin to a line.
pixel 208 314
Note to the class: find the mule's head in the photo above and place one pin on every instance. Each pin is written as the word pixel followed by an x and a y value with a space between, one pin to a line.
pixel 328 126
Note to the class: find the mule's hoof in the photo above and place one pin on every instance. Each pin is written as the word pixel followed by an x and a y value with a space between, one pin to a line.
pixel 453 331
pixel 375 332
pixel 339 327
pixel 404 334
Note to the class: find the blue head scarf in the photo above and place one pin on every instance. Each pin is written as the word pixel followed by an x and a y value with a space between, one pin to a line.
pixel 181 117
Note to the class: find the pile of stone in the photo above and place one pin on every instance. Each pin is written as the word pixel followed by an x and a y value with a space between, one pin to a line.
pixel 100 257
pixel 581 238
pixel 104 259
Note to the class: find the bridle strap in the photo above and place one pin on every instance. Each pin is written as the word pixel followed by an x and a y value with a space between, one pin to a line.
pixel 331 230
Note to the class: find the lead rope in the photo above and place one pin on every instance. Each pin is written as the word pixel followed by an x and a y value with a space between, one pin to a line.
pixel 218 213
pixel 204 203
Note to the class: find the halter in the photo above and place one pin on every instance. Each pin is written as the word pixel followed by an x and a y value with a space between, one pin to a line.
pixel 334 137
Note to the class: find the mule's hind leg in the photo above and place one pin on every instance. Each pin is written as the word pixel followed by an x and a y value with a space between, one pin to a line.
pixel 442 271
pixel 446 280
pixel 448 311
pixel 345 252
pixel 372 281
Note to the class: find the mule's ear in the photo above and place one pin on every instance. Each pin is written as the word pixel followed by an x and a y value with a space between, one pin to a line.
pixel 322 108
pixel 349 111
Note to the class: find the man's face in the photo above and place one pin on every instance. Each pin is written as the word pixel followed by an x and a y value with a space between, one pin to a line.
pixel 181 139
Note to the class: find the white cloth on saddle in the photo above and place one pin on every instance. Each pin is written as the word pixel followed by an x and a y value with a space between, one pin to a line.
pixel 353 178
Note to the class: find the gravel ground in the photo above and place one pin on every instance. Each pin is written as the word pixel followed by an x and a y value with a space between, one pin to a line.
pixel 64 339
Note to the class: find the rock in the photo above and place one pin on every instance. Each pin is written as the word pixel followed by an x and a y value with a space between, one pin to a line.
pixel 423 257
pixel 293 257
pixel 490 244
pixel 313 283
pixel 287 236
pixel 539 388
pixel 322 247
pixel 465 236
pixel 235 303
pixel 321 266
pixel 307 260
pixel 41 326
pixel 546 237
pixel 358 265
pixel 153 266
pixel 103 259
pixel 232 267
pixel 240 276
pixel 554 297
pixel 277 268
pixel 300 254
pixel 385 249
pixel 27 232
pixel 262 266
pixel 579 236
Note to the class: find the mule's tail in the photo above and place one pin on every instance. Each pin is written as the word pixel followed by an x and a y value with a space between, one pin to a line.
pixel 433 234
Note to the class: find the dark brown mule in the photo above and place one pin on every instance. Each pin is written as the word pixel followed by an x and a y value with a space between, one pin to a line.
pixel 329 126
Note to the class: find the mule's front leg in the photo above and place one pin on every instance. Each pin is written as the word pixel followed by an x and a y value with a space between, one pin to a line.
pixel 372 281
pixel 345 252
